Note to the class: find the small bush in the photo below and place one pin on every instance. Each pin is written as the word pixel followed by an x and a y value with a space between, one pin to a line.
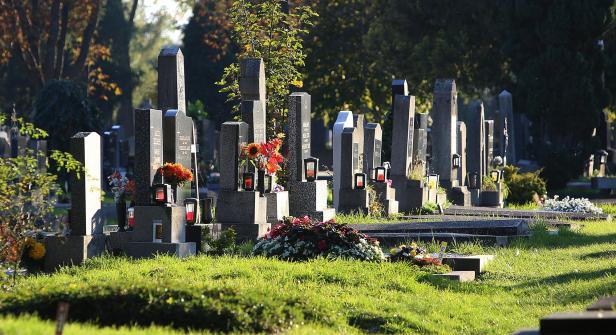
pixel 523 187
pixel 302 239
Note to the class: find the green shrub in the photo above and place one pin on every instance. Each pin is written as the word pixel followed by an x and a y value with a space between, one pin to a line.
pixel 523 187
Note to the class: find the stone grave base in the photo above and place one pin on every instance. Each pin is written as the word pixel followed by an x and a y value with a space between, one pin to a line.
pixel 125 243
pixel 492 199
pixel 277 206
pixel 387 196
pixel 237 207
pixel 353 200
pixel 308 198
pixel 410 194
pixel 71 250
pixel 459 195
pixel 244 231
pixel 173 221
pixel 475 197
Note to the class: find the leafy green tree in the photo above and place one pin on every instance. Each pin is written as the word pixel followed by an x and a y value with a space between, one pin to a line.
pixel 27 196
pixel 558 67
pixel 63 107
pixel 263 30
pixel 208 49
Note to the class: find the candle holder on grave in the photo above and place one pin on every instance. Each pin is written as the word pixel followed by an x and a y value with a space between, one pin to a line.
pixel 360 181
pixel 162 194
pixel 380 174
pixel 130 214
pixel 192 210
pixel 248 181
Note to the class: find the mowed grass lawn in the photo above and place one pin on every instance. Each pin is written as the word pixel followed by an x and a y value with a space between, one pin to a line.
pixel 528 280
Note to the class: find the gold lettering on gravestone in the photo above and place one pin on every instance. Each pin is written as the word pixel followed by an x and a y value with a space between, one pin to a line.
pixel 184 145
pixel 156 146
pixel 306 139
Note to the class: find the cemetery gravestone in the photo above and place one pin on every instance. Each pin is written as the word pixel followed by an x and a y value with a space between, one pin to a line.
pixel 352 199
pixel 489 145
pixel 462 152
pixel 506 140
pixel 344 120
pixel 475 141
pixel 244 211
pixel 444 130
pixel 373 142
pixel 402 137
pixel 252 80
pixel 171 89
pixel 148 153
pixel 305 198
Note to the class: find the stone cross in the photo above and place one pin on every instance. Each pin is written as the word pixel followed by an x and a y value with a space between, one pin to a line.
pixel 344 120
pixel 148 152
pixel 475 141
pixel 373 144
pixel 85 214
pixel 505 116
pixel 253 114
pixel 171 87
pixel 298 138
pixel 233 136
pixel 402 135
pixel 461 150
pixel 489 145
pixel 445 117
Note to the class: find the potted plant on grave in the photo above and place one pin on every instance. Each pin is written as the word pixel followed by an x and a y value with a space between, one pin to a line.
pixel 176 175
pixel 490 195
pixel 266 159
pixel 118 184
pixel 416 174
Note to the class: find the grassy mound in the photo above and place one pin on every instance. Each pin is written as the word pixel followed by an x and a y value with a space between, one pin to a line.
pixel 528 280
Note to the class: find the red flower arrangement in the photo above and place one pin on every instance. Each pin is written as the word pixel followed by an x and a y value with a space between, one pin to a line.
pixel 264 156
pixel 176 173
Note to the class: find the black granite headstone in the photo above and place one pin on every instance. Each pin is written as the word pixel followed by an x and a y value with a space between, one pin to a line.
pixel 254 115
pixel 299 136
pixel 171 89
pixel 233 136
pixel 148 152
pixel 373 141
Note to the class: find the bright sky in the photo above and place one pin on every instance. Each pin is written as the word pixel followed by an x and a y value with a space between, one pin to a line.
pixel 179 13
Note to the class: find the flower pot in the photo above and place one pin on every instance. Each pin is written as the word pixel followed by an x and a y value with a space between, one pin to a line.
pixel 121 214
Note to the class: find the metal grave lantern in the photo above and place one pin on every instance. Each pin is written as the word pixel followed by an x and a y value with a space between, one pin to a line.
pixel 360 181
pixel 387 166
pixel 248 181
pixel 162 194
pixel 130 214
pixel 380 174
pixel 192 210
pixel 455 161
pixel 311 168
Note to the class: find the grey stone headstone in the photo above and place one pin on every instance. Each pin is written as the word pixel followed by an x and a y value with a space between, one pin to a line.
pixel 445 117
pixel 208 140
pixel 505 108
pixel 420 145
pixel 177 146
pixel 233 136
pixel 421 120
pixel 171 86
pixel 489 145
pixel 461 150
pixel 522 135
pixel 475 141
pixel 349 158
pixel 148 152
pixel 373 144
pixel 252 80
pixel 85 215
pixel 343 121
pixel 402 135
pixel 359 123
pixel 254 115
pixel 299 136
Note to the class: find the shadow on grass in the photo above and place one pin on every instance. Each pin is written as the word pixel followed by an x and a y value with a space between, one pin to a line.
pixel 564 239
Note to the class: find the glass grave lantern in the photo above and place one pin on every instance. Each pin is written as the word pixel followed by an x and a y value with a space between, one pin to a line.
pixel 496 176
pixel 192 210
pixel 360 181
pixel 130 214
pixel 372 174
pixel 456 161
pixel 387 167
pixel 380 174
pixel 162 194
pixel 473 180
pixel 248 181
pixel 311 168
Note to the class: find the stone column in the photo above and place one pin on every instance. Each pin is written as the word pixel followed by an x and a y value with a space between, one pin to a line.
pixel 252 81
pixel 445 116
pixel 171 87
pixel 475 141
pixel 505 112
pixel 402 137
pixel 85 214
pixel 298 138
